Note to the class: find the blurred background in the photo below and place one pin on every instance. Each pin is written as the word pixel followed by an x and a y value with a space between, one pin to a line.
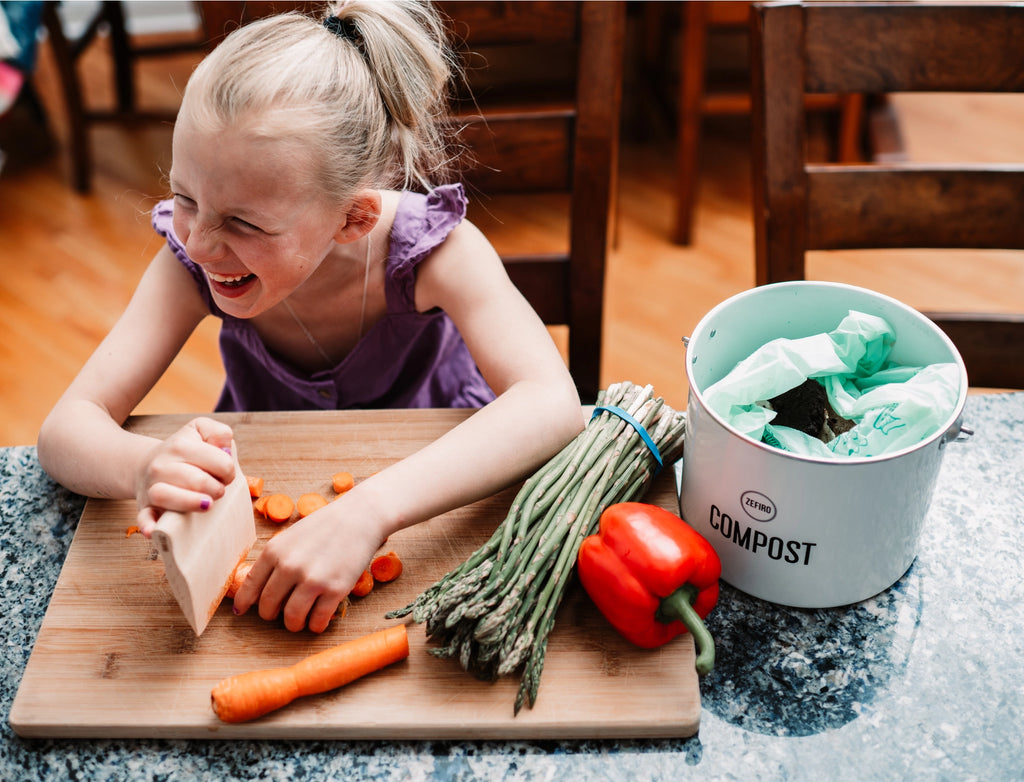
pixel 70 259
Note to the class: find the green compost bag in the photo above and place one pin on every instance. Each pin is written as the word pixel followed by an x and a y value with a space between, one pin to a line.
pixel 891 407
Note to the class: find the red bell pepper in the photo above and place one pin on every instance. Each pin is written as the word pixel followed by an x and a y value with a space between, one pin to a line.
pixel 653 576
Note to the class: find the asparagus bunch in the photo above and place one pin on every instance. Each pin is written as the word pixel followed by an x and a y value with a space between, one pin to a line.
pixel 494 611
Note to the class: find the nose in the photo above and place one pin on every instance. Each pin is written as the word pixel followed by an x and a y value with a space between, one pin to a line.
pixel 202 240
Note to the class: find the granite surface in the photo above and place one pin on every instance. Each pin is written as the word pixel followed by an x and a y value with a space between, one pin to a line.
pixel 921 681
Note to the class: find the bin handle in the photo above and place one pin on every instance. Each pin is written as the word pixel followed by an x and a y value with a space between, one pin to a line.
pixel 958 433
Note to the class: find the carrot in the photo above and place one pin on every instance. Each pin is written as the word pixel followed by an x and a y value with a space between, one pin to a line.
pixel 255 486
pixel 251 695
pixel 310 502
pixel 237 578
pixel 261 504
pixel 342 482
pixel 131 531
pixel 279 508
pixel 364 585
pixel 386 567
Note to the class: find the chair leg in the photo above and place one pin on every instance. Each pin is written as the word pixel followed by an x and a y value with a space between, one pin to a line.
pixel 852 118
pixel 64 58
pixel 691 94
pixel 124 77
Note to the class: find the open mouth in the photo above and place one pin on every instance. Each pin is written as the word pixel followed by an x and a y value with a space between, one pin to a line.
pixel 231 281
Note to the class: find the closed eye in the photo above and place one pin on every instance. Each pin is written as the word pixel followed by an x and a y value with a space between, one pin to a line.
pixel 246 225
pixel 187 203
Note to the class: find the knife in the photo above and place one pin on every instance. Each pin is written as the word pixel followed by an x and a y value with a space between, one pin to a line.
pixel 200 551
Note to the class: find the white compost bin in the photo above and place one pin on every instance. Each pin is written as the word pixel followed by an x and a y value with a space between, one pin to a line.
pixel 796 530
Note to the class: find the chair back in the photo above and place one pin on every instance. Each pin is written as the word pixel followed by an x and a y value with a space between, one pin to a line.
pixel 542 117
pixel 887 47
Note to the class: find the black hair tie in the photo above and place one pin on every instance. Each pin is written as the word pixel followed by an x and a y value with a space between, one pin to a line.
pixel 344 28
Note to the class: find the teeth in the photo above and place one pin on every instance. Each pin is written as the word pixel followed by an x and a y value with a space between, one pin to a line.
pixel 226 279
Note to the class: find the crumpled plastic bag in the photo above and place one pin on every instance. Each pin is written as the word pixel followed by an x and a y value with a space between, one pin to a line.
pixel 893 407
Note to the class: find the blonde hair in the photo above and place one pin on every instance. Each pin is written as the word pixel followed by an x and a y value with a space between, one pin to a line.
pixel 367 107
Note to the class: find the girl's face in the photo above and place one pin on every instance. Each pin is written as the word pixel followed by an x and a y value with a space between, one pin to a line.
pixel 247 215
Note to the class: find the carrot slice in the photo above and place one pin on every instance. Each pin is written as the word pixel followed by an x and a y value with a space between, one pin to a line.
pixel 255 486
pixel 131 531
pixel 342 482
pixel 237 578
pixel 364 585
pixel 251 695
pixel 310 502
pixel 386 567
pixel 260 505
pixel 279 508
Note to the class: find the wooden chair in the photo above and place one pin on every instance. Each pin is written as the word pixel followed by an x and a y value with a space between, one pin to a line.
pixel 699 96
pixel 543 117
pixel 109 19
pixel 885 48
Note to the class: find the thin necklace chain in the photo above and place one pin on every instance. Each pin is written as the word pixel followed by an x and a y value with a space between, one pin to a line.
pixel 362 312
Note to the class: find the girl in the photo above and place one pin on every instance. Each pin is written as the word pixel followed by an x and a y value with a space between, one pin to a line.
pixel 298 152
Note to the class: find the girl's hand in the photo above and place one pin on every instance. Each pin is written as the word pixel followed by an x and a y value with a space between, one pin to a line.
pixel 186 472
pixel 307 569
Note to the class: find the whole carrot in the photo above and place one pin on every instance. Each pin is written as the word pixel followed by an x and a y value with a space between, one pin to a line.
pixel 251 695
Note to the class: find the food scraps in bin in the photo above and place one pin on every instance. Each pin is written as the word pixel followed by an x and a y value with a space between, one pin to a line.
pixel 806 409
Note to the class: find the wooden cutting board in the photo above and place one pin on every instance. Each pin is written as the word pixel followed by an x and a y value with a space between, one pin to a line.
pixel 116 658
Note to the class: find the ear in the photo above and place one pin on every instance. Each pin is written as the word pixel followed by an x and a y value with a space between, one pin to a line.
pixel 360 218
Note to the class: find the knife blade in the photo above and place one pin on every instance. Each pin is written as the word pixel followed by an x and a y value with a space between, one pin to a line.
pixel 201 550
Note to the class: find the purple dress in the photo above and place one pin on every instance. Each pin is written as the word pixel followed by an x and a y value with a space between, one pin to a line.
pixel 407 359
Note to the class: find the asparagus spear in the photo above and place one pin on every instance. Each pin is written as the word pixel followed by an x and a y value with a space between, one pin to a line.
pixel 494 611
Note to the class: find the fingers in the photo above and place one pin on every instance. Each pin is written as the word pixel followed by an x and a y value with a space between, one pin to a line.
pixel 214 433
pixel 146 520
pixel 189 470
pixel 277 589
pixel 215 459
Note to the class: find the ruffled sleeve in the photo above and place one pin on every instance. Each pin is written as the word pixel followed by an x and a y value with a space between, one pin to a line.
pixel 422 223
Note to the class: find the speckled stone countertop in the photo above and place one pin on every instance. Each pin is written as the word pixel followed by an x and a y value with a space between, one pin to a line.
pixel 922 681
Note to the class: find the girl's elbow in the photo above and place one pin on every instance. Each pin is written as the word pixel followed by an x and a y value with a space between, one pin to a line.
pixel 46 446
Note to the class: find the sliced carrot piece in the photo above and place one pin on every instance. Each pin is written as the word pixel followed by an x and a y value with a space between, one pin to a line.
pixel 310 502
pixel 279 508
pixel 386 567
pixel 131 531
pixel 255 486
pixel 260 506
pixel 364 585
pixel 342 482
pixel 237 578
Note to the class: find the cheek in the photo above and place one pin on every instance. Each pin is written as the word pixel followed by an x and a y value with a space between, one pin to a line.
pixel 181 225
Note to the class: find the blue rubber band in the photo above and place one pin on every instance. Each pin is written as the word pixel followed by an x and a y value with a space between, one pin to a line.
pixel 636 425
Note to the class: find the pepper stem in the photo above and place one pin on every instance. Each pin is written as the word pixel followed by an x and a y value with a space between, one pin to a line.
pixel 679 605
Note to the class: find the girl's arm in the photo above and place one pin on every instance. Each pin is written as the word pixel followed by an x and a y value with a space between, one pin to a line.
pixel 82 444
pixel 307 569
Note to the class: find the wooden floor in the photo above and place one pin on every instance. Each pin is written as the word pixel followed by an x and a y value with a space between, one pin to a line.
pixel 70 262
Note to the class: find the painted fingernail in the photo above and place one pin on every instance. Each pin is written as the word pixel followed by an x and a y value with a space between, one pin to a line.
pixel 226 449
pixel 204 503
pixel 235 611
